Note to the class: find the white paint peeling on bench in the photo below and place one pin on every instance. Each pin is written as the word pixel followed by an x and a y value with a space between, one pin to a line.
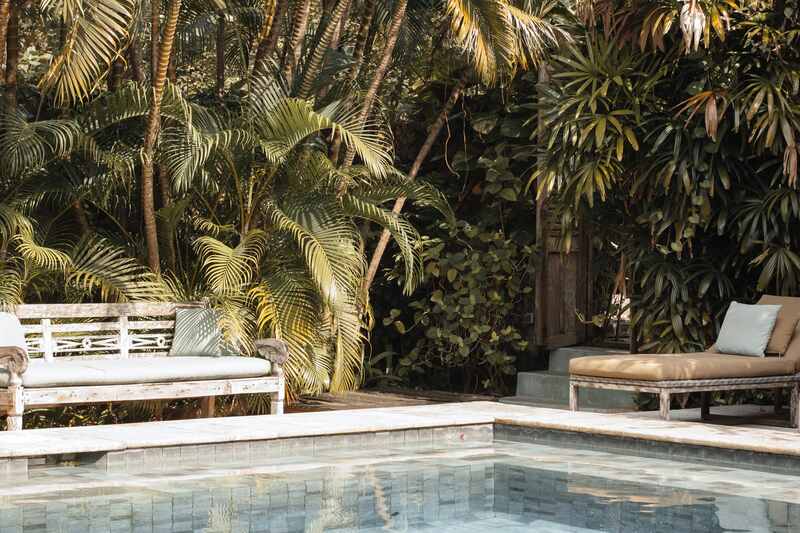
pixel 74 332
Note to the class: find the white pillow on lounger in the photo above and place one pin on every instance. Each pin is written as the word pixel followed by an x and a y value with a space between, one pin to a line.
pixel 747 329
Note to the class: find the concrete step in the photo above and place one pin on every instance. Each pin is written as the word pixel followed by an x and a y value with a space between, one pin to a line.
pixel 546 387
pixel 560 357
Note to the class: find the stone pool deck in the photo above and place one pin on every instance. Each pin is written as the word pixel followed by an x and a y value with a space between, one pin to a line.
pixel 396 422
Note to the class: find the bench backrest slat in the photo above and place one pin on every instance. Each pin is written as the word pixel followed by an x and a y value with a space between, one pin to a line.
pixel 53 311
pixel 92 331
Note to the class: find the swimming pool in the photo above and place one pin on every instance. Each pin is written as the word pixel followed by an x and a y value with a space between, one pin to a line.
pixel 475 487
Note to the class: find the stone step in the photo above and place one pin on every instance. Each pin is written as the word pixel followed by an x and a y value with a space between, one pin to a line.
pixel 560 357
pixel 545 387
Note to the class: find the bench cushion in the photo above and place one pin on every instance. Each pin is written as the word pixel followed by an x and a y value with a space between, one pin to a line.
pixel 41 374
pixel 669 367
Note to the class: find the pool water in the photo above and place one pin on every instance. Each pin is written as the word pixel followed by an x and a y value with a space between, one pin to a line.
pixel 501 487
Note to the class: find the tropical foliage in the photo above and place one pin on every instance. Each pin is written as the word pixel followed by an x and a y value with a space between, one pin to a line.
pixel 466 326
pixel 259 154
pixel 239 151
pixel 671 134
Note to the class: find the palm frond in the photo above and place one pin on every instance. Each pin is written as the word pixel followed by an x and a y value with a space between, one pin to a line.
pixel 96 30
pixel 229 270
pixel 402 231
pixel 482 29
pixel 28 146
pixel 99 266
pixel 41 256
pixel 289 121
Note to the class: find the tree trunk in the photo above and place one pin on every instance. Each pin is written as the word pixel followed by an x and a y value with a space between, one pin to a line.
pixel 295 45
pixel 165 188
pixel 155 32
pixel 358 60
pixel 380 73
pixel 135 60
pixel 424 150
pixel 340 28
pixel 220 88
pixel 12 58
pixel 172 69
pixel 151 135
pixel 115 75
pixel 361 39
pixel 5 16
pixel 314 64
pixel 272 14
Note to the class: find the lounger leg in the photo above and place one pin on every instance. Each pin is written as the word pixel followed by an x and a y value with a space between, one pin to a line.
pixel 208 406
pixel 705 405
pixel 663 404
pixel 16 409
pixel 796 406
pixel 573 397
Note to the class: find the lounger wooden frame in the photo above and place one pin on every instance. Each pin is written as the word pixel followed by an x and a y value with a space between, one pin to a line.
pixel 665 389
pixel 118 331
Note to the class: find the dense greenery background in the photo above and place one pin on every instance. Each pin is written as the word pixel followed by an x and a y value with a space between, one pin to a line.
pixel 252 152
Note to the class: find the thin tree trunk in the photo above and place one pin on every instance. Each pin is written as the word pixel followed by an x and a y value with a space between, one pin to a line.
pixel 151 135
pixel 272 14
pixel 361 39
pixel 172 69
pixel 373 32
pixel 115 75
pixel 135 60
pixel 165 188
pixel 5 16
pixel 12 58
pixel 358 60
pixel 294 48
pixel 220 88
pixel 380 73
pixel 314 64
pixel 275 32
pixel 155 32
pixel 339 30
pixel 422 155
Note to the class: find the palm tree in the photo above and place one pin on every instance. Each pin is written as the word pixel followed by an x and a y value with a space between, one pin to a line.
pixel 329 25
pixel 273 12
pixel 306 290
pixel 398 16
pixel 293 48
pixel 151 135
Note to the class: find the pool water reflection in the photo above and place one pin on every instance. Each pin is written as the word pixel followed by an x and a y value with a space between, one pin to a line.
pixel 505 487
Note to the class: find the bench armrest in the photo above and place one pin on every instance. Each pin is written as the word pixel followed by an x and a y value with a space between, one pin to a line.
pixel 273 350
pixel 15 360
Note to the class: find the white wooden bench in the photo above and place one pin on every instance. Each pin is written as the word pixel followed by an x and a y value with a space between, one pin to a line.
pixel 97 353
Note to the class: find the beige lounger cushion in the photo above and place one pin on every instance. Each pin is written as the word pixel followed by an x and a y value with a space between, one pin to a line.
pixel 785 325
pixel 41 374
pixel 669 367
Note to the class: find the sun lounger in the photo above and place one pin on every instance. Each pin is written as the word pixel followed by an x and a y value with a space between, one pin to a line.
pixel 668 374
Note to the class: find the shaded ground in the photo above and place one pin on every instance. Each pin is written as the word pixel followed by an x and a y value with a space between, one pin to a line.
pixel 380 398
pixel 725 415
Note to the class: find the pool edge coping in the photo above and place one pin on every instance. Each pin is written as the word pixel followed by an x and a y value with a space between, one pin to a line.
pixel 122 437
